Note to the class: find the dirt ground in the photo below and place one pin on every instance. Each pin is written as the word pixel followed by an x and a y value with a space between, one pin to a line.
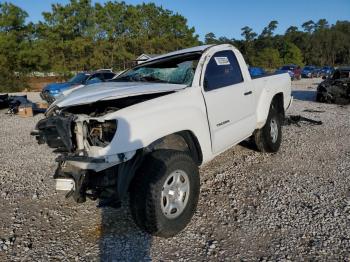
pixel 293 205
pixel 38 83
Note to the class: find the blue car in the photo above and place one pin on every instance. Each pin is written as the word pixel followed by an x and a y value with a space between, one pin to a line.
pixel 256 71
pixel 52 91
pixel 317 72
pixel 327 71
pixel 309 72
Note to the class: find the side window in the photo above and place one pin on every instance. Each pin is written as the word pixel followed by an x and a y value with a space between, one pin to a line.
pixel 98 75
pixel 108 76
pixel 222 70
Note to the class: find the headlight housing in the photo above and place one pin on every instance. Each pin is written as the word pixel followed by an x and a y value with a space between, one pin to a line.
pixel 100 133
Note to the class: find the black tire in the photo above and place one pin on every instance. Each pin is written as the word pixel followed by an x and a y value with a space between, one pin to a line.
pixel 263 137
pixel 146 190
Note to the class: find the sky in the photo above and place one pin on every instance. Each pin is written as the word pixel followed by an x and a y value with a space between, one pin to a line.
pixel 227 17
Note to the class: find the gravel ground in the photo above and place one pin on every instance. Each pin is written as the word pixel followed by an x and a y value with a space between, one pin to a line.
pixel 293 205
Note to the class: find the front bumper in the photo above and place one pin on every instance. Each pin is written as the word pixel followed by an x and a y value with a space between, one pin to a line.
pixel 86 169
pixel 95 164
pixel 109 184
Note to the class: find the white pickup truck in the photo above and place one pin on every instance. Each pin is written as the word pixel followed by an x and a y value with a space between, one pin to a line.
pixel 147 131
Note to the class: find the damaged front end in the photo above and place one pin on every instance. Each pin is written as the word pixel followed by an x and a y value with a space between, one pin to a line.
pixel 82 169
pixel 96 159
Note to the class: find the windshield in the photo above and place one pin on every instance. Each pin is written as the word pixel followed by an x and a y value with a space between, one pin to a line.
pixel 308 68
pixel 256 71
pixel 174 70
pixel 78 78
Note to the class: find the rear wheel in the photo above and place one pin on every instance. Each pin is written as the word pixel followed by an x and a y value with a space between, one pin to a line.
pixel 268 139
pixel 164 193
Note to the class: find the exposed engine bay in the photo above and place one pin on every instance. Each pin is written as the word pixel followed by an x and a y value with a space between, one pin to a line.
pixel 75 129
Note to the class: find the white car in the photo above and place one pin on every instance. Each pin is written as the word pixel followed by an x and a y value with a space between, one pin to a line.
pixel 148 130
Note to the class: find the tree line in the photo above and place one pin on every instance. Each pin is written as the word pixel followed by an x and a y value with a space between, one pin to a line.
pixel 84 36
pixel 81 36
pixel 318 43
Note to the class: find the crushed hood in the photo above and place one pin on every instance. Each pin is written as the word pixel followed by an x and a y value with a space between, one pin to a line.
pixel 113 90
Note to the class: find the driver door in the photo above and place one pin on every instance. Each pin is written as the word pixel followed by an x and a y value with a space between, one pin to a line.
pixel 229 101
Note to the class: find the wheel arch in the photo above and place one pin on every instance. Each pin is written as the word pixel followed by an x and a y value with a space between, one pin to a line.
pixel 278 103
pixel 268 138
pixel 264 105
pixel 184 140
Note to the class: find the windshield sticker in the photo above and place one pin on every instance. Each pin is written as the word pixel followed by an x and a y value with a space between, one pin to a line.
pixel 222 60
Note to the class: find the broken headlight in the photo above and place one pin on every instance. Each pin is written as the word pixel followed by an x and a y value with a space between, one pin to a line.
pixel 100 133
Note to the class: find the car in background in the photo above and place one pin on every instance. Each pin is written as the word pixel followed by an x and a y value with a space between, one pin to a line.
pixel 294 71
pixel 317 72
pixel 52 91
pixel 309 71
pixel 326 71
pixel 256 71
pixel 336 88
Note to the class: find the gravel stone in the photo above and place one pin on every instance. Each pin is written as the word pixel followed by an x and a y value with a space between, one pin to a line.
pixel 289 206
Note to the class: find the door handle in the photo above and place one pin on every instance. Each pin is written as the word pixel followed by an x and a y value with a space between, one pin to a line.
pixel 248 93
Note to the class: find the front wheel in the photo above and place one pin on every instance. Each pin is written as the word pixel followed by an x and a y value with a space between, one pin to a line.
pixel 268 139
pixel 164 193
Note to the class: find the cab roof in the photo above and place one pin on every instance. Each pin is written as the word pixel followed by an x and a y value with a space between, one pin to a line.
pixel 195 49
